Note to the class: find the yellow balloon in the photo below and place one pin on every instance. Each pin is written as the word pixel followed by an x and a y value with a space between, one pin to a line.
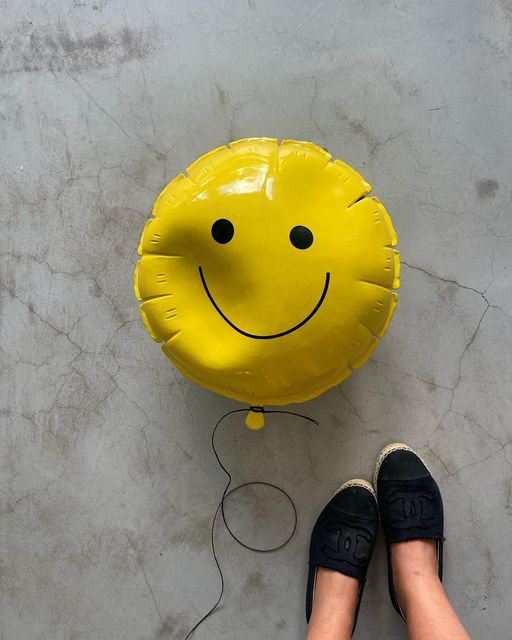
pixel 267 273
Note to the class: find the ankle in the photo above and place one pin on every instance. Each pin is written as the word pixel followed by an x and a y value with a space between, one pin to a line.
pixel 415 569
pixel 415 558
pixel 334 606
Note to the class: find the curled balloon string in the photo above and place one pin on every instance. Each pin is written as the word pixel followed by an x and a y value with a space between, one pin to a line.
pixel 229 492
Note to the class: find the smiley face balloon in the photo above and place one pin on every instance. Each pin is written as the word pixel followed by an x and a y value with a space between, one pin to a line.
pixel 266 272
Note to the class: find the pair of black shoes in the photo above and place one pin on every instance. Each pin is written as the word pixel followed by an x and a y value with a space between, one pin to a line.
pixel 410 506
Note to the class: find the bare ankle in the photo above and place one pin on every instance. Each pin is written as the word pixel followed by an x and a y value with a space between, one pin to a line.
pixel 414 568
pixel 334 605
pixel 415 557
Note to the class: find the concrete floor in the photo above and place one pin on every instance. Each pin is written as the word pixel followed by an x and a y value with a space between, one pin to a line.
pixel 108 482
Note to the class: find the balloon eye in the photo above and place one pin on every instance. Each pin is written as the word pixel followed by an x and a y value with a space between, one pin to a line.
pixel 222 231
pixel 301 237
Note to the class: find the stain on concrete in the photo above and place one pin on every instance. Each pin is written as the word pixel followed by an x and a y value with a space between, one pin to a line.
pixel 174 626
pixel 31 50
pixel 486 188
pixel 506 6
pixel 280 625
pixel 254 581
pixel 357 128
pixel 195 535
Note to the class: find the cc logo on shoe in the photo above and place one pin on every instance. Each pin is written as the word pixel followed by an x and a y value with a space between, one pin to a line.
pixel 350 544
pixel 411 509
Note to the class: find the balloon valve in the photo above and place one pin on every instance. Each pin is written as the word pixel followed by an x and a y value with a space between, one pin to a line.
pixel 255 419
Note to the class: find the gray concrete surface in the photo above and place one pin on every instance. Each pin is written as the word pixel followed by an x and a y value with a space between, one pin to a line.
pixel 108 482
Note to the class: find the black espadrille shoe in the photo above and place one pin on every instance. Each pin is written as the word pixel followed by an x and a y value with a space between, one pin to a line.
pixel 410 504
pixel 344 536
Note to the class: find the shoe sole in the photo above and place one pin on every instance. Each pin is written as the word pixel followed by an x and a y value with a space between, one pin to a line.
pixel 357 482
pixel 394 446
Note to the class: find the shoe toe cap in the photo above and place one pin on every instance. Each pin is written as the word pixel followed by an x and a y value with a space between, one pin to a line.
pixel 402 465
pixel 356 500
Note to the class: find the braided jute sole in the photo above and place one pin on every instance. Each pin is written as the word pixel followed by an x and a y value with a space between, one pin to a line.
pixel 394 446
pixel 357 482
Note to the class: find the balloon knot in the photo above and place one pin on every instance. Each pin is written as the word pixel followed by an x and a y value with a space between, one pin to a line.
pixel 255 419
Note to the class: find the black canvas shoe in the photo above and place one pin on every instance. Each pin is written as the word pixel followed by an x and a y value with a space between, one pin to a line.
pixel 410 504
pixel 344 536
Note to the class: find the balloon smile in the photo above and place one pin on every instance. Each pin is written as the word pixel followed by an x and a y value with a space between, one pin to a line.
pixel 274 335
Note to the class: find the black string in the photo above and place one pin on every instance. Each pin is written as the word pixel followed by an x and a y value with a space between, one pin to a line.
pixel 227 493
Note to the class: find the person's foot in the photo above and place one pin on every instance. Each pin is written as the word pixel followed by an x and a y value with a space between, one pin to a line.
pixel 411 509
pixel 341 546
pixel 415 568
pixel 335 603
